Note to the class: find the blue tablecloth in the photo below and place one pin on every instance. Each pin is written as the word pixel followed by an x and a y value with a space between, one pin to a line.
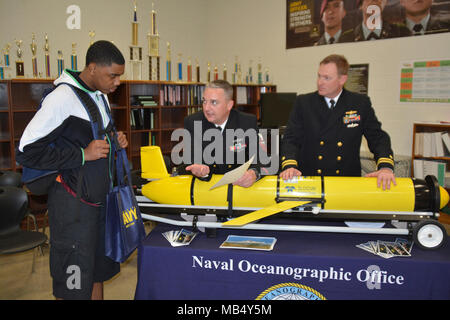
pixel 302 265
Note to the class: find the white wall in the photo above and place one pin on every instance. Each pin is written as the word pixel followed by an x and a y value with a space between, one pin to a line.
pixel 217 31
pixel 255 28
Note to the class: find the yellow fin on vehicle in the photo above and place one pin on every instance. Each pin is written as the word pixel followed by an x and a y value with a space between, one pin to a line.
pixel 265 212
pixel 152 163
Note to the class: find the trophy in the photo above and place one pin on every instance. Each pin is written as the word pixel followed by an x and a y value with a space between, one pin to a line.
pixel 249 77
pixel 208 73
pixel 260 75
pixel 6 60
pixel 216 73
pixel 20 72
pixel 168 64
pixel 180 68
pixel 2 70
pixel 189 70
pixel 47 57
pixel 224 72
pixel 237 74
pixel 153 48
pixel 266 76
pixel 92 36
pixel 73 58
pixel 6 54
pixel 60 62
pixel 234 74
pixel 197 67
pixel 33 57
pixel 135 50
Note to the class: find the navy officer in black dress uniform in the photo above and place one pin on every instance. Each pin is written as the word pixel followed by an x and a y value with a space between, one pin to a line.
pixel 325 129
pixel 218 114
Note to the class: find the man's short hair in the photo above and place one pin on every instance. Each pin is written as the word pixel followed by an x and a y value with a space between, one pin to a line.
pixel 324 5
pixel 104 53
pixel 340 62
pixel 222 84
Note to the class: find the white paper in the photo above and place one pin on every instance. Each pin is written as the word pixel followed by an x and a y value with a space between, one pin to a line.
pixel 233 175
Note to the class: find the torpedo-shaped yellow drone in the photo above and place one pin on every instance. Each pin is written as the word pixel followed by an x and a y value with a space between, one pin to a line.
pixel 412 206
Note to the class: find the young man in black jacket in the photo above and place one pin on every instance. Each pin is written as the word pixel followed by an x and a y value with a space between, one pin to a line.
pixel 60 137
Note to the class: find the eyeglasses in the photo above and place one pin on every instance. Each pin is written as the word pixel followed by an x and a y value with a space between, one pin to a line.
pixel 213 102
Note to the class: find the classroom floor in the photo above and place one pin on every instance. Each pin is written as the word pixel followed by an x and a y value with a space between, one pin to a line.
pixel 18 282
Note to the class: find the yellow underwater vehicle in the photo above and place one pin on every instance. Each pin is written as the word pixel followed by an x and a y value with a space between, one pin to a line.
pixel 411 207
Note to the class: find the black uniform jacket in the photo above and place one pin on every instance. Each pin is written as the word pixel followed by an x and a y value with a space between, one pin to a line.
pixel 234 147
pixel 320 141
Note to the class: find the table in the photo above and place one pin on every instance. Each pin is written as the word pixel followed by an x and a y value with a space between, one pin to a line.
pixel 302 265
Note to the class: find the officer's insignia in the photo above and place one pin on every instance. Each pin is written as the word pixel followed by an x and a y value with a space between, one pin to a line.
pixel 238 145
pixel 290 291
pixel 351 119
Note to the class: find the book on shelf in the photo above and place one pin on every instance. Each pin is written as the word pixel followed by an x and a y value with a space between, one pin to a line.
pixel 144 100
pixel 446 141
pixel 244 95
pixel 423 168
pixel 141 119
pixel 175 95
pixel 432 144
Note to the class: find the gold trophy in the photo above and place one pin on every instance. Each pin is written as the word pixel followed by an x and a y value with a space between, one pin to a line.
pixel 225 72
pixel 153 48
pixel 20 72
pixel 208 73
pixel 216 73
pixel 237 74
pixel 4 68
pixel 47 57
pixel 168 64
pixel 6 54
pixel 33 57
pixel 235 70
pixel 135 50
pixel 180 68
pixel 60 62
pixel 92 36
pixel 260 75
pixel 189 70
pixel 73 58
pixel 249 77
pixel 267 76
pixel 197 67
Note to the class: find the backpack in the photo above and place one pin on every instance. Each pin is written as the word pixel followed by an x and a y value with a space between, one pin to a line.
pixel 40 181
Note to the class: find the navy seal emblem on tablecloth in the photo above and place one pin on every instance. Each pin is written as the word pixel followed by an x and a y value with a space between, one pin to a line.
pixel 290 291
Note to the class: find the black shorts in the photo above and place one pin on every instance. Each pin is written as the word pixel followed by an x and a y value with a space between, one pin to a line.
pixel 77 245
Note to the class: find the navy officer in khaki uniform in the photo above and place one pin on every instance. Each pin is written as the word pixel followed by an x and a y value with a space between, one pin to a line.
pixel 325 129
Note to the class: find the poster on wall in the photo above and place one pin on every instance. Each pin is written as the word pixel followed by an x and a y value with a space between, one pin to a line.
pixel 320 22
pixel 358 78
pixel 425 81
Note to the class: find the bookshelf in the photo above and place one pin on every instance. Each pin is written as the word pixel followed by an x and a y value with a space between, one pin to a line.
pixel 147 111
pixel 429 152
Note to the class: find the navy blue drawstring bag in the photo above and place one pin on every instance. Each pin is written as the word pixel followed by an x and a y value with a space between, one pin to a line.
pixel 124 228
